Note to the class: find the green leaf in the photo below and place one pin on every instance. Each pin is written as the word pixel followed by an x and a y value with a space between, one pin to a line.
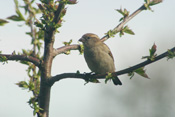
pixel 16 3
pixel 141 72
pixel 94 80
pixel 131 74
pixel 39 45
pixel 67 43
pixel 20 16
pixel 24 62
pixel 152 53
pixel 121 33
pixel 34 104
pixel 124 12
pixel 38 24
pixel 149 3
pixel 121 19
pixel 3 22
pixel 25 52
pixel 28 33
pixel 120 11
pixel 23 84
pixel 3 59
pixel 171 54
pixel 81 50
pixel 153 50
pixel 31 85
pixel 111 33
pixel 15 18
pixel 67 52
pixel 154 2
pixel 127 30
pixel 108 77
pixel 40 34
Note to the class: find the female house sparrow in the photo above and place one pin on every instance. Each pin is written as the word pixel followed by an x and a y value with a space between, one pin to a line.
pixel 98 56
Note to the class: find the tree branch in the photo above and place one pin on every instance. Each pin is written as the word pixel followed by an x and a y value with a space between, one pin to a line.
pixel 116 29
pixel 58 12
pixel 127 19
pixel 66 48
pixel 49 38
pixel 56 78
pixel 22 58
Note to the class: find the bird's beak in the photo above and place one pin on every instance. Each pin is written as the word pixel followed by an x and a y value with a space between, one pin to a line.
pixel 81 40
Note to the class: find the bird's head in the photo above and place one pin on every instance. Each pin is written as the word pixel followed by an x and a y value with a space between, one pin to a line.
pixel 89 39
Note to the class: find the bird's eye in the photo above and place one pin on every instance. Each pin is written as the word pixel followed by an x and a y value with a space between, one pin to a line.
pixel 88 37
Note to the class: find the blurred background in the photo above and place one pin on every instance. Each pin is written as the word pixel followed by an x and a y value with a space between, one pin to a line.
pixel 137 97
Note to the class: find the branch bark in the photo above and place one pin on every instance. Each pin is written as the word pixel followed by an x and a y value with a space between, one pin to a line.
pixel 49 38
pixel 56 78
pixel 31 59
pixel 63 49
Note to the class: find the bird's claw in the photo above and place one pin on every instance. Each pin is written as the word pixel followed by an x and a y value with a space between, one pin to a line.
pixel 89 77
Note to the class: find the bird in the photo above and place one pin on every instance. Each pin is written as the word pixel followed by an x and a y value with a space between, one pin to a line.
pixel 98 56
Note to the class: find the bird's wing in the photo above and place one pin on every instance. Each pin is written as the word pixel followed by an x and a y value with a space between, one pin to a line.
pixel 108 51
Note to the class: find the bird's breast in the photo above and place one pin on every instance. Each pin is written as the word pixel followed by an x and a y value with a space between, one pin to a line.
pixel 98 60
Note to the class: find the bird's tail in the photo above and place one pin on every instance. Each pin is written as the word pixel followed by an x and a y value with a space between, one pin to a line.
pixel 116 81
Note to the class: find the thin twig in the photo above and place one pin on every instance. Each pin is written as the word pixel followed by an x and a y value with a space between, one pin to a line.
pixel 127 19
pixel 116 29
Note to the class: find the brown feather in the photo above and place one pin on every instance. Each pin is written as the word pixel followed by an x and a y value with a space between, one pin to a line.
pixel 110 53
